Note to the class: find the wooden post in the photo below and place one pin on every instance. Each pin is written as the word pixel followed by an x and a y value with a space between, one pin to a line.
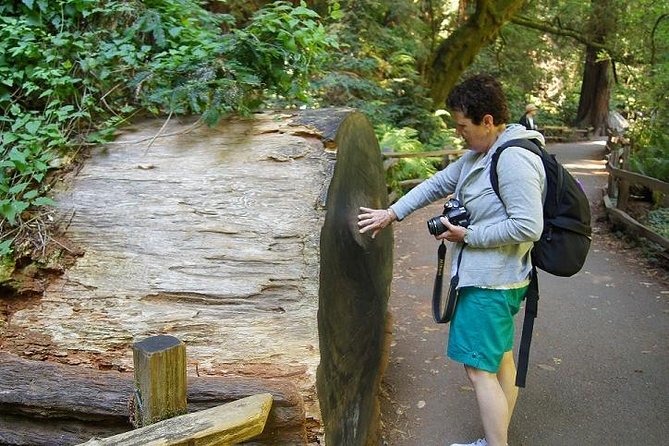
pixel 613 162
pixel 624 184
pixel 160 379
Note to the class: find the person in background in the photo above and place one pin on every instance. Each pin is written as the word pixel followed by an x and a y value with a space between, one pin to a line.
pixel 495 264
pixel 528 118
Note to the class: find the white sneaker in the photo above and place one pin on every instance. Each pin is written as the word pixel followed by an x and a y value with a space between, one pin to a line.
pixel 479 442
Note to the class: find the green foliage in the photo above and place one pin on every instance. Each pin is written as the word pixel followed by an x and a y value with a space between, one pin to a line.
pixel 377 67
pixel 538 68
pixel 283 44
pixel 383 47
pixel 653 159
pixel 405 140
pixel 72 71
pixel 658 220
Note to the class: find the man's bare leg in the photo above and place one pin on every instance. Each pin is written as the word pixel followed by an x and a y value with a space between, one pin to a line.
pixel 493 406
pixel 507 379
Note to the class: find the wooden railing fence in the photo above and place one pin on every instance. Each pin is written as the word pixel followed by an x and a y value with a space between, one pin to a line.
pixel 446 155
pixel 617 197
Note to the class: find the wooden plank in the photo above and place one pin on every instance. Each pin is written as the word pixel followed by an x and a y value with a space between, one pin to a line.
pixel 411 183
pixel 227 424
pixel 432 154
pixel 160 379
pixel 652 183
pixel 633 225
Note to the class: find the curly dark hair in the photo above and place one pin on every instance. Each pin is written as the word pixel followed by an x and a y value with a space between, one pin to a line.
pixel 478 96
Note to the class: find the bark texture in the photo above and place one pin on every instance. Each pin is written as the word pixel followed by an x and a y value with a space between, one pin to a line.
pixel 458 51
pixel 593 106
pixel 352 312
pixel 213 236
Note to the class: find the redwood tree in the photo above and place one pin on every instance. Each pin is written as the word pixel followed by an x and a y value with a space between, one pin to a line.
pixel 593 106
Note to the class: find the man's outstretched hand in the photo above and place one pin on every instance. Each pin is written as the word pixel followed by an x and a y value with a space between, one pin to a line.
pixel 374 219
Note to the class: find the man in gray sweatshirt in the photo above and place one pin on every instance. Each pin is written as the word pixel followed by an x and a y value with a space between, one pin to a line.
pixel 495 264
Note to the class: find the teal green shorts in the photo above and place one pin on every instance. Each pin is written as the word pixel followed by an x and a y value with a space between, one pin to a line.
pixel 482 327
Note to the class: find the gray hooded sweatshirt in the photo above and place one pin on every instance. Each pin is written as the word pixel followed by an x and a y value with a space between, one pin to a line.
pixel 501 233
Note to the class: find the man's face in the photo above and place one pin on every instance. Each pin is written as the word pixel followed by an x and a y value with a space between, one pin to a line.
pixel 476 136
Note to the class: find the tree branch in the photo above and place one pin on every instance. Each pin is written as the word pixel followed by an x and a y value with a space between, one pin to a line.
pixel 652 37
pixel 559 30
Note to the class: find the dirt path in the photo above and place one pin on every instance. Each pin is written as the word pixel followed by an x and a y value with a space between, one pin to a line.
pixel 599 356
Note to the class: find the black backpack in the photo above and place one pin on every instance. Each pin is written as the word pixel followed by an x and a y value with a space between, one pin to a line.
pixel 565 239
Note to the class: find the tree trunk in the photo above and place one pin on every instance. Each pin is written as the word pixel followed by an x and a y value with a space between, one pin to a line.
pixel 593 107
pixel 458 51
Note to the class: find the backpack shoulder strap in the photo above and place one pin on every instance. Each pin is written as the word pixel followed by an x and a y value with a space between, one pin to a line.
pixel 531 310
pixel 532 294
pixel 528 144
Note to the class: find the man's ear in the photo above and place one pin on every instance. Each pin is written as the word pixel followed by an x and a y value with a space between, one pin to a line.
pixel 488 120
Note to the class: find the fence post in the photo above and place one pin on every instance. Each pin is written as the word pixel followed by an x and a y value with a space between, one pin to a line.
pixel 624 185
pixel 614 158
pixel 160 379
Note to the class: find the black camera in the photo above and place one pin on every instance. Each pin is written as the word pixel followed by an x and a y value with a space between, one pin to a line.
pixel 455 213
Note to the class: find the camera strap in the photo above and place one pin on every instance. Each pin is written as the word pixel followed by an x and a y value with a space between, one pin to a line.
pixel 447 315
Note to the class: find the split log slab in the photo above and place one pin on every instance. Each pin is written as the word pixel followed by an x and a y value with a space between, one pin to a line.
pixel 228 424
pixel 356 272
pixel 48 404
pixel 241 240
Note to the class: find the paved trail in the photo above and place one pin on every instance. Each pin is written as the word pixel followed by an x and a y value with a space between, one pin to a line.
pixel 599 363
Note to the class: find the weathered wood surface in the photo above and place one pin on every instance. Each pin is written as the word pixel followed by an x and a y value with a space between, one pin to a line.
pixel 160 379
pixel 226 424
pixel 213 235
pixel 637 178
pixel 352 313
pixel 48 404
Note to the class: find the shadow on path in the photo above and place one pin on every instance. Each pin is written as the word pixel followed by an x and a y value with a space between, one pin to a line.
pixel 598 366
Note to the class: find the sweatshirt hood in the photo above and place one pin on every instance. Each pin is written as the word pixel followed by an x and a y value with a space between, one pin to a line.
pixel 517 131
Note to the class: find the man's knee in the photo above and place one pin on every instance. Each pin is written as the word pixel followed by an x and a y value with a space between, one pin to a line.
pixel 477 375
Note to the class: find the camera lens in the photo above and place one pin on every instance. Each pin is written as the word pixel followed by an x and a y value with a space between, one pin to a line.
pixel 435 226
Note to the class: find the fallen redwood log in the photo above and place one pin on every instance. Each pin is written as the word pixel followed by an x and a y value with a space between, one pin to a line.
pixel 43 403
pixel 240 240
